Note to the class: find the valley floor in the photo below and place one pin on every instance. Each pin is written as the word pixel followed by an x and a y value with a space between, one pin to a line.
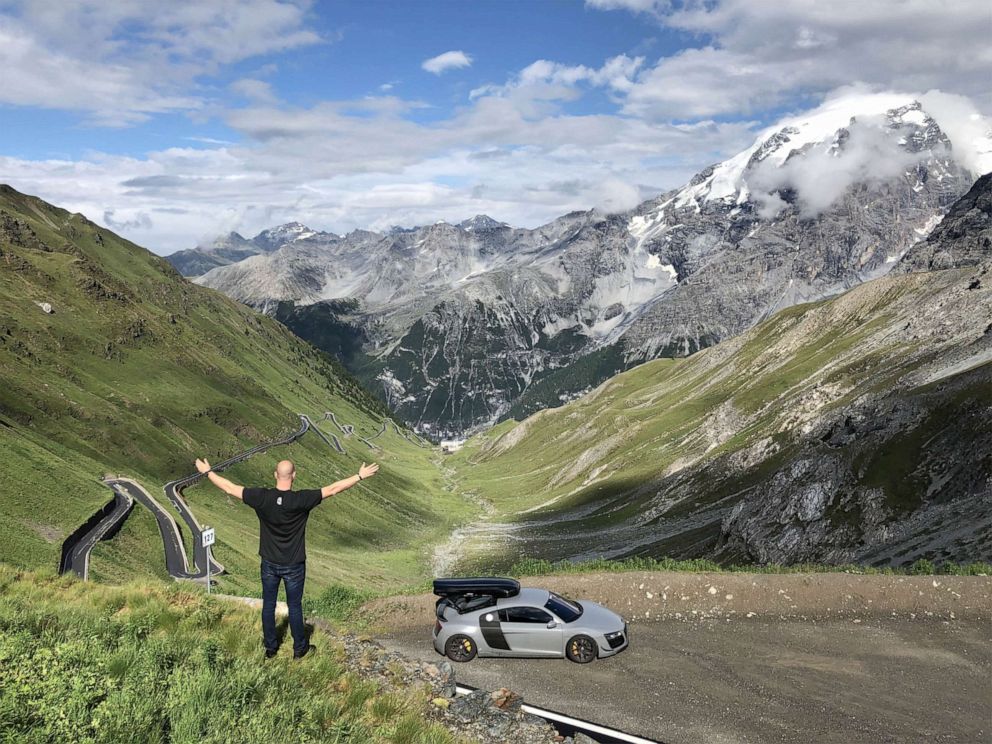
pixel 760 658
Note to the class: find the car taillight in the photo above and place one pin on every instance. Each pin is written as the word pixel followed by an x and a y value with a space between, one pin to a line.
pixel 437 627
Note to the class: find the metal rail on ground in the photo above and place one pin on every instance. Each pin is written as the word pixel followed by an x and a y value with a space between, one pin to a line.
pixel 569 725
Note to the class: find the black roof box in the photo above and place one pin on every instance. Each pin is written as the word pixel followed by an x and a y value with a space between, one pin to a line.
pixel 494 587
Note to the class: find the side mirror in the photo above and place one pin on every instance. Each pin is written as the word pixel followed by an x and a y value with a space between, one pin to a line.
pixel 552 625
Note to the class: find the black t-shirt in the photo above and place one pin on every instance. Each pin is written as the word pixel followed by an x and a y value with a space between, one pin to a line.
pixel 282 522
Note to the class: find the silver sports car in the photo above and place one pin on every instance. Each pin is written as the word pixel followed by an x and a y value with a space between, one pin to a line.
pixel 495 617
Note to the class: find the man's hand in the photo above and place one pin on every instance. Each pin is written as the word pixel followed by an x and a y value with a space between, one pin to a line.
pixel 231 489
pixel 366 471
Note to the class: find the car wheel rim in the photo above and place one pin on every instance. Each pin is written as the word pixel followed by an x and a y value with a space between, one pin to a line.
pixel 582 649
pixel 461 648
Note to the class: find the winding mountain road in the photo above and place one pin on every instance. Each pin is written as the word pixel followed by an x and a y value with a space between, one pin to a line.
pixel 77 547
pixel 172 539
pixel 346 429
pixel 174 489
pixel 412 437
pixel 332 442
pixel 76 556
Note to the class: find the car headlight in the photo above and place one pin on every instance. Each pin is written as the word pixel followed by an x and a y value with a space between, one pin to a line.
pixel 611 636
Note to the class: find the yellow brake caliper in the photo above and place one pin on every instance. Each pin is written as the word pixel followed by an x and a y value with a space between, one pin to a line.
pixel 467 645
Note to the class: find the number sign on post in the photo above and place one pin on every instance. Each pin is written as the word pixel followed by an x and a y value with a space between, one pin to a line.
pixel 207 538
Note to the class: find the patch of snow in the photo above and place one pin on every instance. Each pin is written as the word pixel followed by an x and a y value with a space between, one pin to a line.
pixel 929 226
pixel 727 180
pixel 914 116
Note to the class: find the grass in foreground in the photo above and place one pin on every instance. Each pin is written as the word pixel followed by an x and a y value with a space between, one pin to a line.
pixel 147 663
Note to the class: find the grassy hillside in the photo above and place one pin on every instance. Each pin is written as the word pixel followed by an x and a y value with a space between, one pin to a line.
pixel 137 371
pixel 851 429
pixel 142 663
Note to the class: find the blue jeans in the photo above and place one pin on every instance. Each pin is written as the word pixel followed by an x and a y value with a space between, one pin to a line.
pixel 294 575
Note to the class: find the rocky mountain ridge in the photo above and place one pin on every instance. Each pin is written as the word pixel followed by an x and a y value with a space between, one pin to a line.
pixel 460 324
pixel 234 247
pixel 850 430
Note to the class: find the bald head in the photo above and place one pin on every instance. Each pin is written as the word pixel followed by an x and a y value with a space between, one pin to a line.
pixel 285 472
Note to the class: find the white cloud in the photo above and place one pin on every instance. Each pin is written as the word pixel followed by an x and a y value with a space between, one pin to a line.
pixel 448 61
pixel 255 90
pixel 539 89
pixel 636 6
pixel 364 163
pixel 824 173
pixel 970 133
pixel 754 55
pixel 513 150
pixel 31 75
pixel 121 61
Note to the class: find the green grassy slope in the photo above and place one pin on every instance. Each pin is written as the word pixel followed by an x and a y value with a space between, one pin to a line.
pixel 146 663
pixel 652 461
pixel 138 371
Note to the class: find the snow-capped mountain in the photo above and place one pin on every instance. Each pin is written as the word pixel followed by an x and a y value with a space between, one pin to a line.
pixel 461 324
pixel 233 247
pixel 277 237
pixel 481 222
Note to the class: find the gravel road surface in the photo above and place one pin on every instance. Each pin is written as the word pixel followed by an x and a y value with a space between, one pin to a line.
pixel 787 658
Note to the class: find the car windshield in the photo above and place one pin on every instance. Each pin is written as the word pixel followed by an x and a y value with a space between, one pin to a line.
pixel 566 609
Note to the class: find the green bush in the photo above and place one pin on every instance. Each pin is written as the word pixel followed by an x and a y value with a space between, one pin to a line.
pixel 337 602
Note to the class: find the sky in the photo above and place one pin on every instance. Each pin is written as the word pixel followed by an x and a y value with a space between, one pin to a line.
pixel 172 123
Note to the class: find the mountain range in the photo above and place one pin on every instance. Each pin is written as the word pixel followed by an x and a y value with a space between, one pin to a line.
pixel 234 247
pixel 853 429
pixel 461 325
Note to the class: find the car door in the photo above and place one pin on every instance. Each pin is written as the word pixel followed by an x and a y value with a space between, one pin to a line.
pixel 527 632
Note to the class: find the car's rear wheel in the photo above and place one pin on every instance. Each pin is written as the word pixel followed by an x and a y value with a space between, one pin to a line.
pixel 581 649
pixel 460 648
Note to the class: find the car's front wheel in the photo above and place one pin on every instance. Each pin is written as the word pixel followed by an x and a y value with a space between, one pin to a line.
pixel 460 648
pixel 581 649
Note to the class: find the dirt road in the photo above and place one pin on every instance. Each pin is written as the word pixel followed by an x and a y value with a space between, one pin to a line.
pixel 818 658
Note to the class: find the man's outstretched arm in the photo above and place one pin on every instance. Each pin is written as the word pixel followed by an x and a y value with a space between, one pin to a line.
pixel 231 489
pixel 366 471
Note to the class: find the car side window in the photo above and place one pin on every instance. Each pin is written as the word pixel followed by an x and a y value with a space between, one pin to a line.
pixel 524 615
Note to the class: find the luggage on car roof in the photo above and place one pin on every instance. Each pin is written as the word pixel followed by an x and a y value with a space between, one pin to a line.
pixel 478 586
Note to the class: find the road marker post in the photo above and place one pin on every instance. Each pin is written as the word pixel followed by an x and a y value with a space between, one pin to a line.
pixel 207 538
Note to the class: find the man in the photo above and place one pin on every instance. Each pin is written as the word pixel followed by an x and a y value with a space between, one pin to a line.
pixel 282 522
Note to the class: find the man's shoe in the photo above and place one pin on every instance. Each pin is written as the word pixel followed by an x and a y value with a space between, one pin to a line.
pixel 270 653
pixel 308 650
